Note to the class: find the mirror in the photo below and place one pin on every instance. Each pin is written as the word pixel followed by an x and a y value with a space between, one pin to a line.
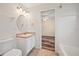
pixel 21 23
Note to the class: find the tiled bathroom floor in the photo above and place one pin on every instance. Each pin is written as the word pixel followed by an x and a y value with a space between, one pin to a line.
pixel 42 52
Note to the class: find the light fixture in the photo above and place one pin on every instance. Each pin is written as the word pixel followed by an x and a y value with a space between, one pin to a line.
pixel 22 11
pixel 45 18
pixel 19 10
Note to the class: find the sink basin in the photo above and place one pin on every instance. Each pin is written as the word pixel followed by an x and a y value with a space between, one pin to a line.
pixel 24 35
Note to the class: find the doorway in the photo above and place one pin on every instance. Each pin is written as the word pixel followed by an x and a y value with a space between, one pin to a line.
pixel 48 29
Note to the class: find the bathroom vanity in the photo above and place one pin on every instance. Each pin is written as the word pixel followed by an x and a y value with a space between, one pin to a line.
pixel 26 42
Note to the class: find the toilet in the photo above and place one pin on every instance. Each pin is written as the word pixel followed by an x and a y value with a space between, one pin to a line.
pixel 13 52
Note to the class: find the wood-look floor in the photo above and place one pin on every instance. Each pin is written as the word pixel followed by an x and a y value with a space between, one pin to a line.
pixel 48 47
pixel 48 42
pixel 42 52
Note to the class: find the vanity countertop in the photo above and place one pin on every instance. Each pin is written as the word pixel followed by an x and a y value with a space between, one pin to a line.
pixel 24 34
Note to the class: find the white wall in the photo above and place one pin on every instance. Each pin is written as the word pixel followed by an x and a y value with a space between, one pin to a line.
pixel 48 19
pixel 8 29
pixel 48 27
pixel 37 26
pixel 7 20
pixel 66 26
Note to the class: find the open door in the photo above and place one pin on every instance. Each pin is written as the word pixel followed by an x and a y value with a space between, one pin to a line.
pixel 48 30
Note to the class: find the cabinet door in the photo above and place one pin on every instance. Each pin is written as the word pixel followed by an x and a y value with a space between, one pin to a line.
pixel 21 45
pixel 33 41
pixel 28 44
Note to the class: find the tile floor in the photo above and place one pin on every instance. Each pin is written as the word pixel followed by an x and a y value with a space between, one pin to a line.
pixel 42 52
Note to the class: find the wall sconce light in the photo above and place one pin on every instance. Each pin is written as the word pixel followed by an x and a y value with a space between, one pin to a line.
pixel 21 11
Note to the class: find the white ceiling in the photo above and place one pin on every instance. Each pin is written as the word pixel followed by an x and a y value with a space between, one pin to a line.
pixel 31 4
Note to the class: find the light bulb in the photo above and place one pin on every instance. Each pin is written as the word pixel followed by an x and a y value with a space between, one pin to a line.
pixel 20 9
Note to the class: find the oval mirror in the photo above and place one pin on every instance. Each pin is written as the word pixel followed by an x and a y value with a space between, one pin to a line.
pixel 21 22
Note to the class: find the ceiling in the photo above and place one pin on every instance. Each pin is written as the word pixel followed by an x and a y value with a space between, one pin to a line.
pixel 29 5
